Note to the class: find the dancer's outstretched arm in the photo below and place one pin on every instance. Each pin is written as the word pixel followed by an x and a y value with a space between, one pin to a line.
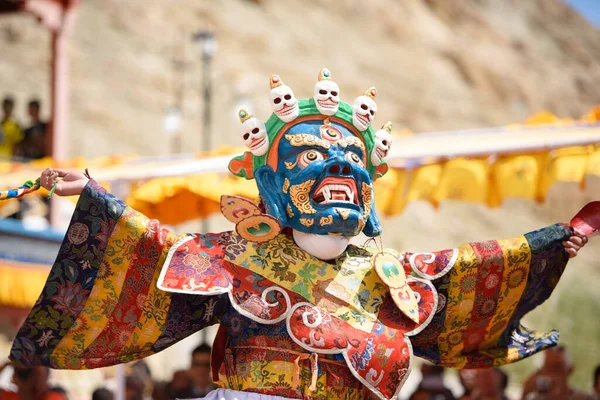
pixel 101 305
pixel 484 290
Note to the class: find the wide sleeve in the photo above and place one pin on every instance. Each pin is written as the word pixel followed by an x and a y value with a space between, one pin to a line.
pixel 101 305
pixel 484 289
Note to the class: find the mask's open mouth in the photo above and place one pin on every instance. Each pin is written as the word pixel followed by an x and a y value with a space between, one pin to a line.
pixel 336 190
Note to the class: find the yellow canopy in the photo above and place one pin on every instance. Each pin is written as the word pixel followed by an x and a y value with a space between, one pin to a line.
pixel 21 283
pixel 432 167
pixel 175 200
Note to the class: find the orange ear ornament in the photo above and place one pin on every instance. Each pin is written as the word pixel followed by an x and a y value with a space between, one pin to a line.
pixel 250 223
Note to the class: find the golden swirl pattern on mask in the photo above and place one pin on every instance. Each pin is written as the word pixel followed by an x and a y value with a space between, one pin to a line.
pixel 290 213
pixel 305 139
pixel 351 141
pixel 307 221
pixel 290 165
pixel 299 194
pixel 286 185
pixel 326 220
pixel 367 197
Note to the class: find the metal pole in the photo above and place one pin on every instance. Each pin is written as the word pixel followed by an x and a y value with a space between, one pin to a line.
pixel 207 112
pixel 178 89
pixel 207 95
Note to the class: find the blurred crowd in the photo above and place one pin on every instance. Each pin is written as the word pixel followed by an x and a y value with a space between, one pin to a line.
pixel 33 384
pixel 19 142
pixel 549 382
pixel 24 142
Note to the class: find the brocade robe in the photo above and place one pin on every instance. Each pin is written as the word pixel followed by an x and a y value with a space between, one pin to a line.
pixel 122 288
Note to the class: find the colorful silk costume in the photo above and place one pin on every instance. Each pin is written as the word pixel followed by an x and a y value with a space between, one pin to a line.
pixel 292 325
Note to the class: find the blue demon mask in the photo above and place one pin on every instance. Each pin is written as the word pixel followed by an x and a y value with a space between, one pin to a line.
pixel 315 160
pixel 320 184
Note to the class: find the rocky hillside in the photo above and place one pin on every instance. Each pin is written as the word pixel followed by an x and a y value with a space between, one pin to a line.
pixel 437 64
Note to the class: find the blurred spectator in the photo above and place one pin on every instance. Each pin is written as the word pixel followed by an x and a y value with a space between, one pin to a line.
pixel 200 371
pixel 182 386
pixel 59 390
pixel 33 145
pixel 597 382
pixel 421 394
pixel 11 133
pixel 433 383
pixel 467 380
pixel 141 370
pixel 134 388
pixel 160 391
pixel 503 382
pixel 489 384
pixel 31 383
pixel 102 394
pixel 551 381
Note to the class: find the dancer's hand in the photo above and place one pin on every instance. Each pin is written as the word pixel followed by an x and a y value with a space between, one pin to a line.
pixel 68 183
pixel 577 240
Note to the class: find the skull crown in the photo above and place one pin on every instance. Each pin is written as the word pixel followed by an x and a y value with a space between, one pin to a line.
pixel 327 101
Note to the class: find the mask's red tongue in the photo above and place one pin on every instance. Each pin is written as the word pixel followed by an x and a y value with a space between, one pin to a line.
pixel 587 219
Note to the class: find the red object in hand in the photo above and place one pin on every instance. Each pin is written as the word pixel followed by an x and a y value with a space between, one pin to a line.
pixel 587 219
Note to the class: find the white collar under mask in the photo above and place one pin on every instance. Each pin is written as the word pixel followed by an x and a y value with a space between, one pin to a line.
pixel 325 247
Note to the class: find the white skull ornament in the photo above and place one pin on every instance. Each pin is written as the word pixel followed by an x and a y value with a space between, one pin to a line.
pixel 383 143
pixel 327 94
pixel 283 101
pixel 254 133
pixel 364 110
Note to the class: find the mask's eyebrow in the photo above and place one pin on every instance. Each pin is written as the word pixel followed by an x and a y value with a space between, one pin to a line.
pixel 351 141
pixel 304 139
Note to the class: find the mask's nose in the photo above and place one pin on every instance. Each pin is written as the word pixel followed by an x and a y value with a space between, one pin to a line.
pixel 339 166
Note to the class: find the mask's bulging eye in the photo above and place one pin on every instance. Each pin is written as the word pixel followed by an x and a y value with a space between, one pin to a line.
pixel 308 157
pixel 354 158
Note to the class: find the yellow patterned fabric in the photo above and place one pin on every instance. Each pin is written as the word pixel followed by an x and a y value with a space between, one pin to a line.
pixel 307 272
pixel 483 297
